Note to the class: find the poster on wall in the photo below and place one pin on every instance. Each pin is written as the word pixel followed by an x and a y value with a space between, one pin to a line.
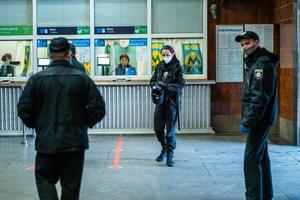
pixel 265 33
pixel 229 57
pixel 156 47
pixel 192 58
pixel 188 52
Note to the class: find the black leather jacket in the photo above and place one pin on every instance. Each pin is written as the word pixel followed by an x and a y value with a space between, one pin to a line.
pixel 259 97
pixel 171 75
pixel 60 103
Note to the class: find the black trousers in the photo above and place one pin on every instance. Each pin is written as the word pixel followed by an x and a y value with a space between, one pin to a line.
pixel 66 167
pixel 257 166
pixel 165 116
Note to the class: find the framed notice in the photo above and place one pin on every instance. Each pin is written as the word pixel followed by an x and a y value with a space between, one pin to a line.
pixel 229 57
pixel 265 33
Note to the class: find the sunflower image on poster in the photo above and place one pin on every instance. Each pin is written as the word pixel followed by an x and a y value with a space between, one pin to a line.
pixel 156 56
pixel 192 59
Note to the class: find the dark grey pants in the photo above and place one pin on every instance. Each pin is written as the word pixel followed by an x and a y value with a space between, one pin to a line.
pixel 66 167
pixel 257 166
pixel 165 116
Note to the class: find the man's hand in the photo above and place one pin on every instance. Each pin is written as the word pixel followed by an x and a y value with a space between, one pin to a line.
pixel 244 129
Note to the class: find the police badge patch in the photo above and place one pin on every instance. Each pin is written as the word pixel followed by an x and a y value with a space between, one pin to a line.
pixel 166 74
pixel 258 73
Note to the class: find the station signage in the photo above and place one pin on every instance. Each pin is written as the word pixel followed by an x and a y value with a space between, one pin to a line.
pixel 132 42
pixel 121 30
pixel 15 30
pixel 82 30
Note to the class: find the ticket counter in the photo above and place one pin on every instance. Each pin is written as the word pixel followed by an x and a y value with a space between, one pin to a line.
pixel 102 31
pixel 128 105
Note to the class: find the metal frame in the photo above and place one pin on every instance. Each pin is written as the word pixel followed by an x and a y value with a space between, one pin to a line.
pixel 92 38
pixel 129 109
pixel 296 8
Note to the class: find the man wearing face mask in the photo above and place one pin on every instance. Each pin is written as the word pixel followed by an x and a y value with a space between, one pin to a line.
pixel 259 108
pixel 169 76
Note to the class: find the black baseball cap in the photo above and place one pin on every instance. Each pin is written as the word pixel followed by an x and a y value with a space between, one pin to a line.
pixel 59 44
pixel 247 35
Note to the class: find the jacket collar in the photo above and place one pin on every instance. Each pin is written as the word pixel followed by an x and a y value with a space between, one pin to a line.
pixel 56 63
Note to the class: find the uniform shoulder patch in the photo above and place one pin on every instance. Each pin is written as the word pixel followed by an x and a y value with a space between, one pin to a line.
pixel 258 73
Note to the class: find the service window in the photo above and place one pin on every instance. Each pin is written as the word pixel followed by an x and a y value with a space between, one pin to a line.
pixel 16 58
pixel 83 53
pixel 188 52
pixel 63 17
pixel 119 57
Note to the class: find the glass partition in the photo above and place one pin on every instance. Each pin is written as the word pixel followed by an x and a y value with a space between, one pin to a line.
pixel 16 58
pixel 110 56
pixel 188 52
pixel 16 17
pixel 181 16
pixel 83 53
pixel 63 17
pixel 120 16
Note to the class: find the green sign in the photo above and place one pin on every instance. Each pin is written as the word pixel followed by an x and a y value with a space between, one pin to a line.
pixel 140 29
pixel 83 30
pixel 15 30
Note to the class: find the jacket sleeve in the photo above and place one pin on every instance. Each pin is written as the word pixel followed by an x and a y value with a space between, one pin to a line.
pixel 180 82
pixel 26 104
pixel 262 89
pixel 153 79
pixel 96 105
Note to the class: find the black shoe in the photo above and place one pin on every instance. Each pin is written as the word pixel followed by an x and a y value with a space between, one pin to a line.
pixel 170 162
pixel 161 156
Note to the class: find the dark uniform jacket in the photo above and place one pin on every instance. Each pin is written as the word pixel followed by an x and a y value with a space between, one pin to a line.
pixel 171 75
pixel 259 96
pixel 60 103
pixel 76 64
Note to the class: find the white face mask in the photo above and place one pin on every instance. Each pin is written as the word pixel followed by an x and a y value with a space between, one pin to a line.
pixel 167 59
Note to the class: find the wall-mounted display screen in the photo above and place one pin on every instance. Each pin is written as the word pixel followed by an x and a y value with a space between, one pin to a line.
pixel 102 61
pixel 42 62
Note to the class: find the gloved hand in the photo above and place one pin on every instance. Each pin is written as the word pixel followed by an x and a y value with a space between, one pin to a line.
pixel 161 84
pixel 244 129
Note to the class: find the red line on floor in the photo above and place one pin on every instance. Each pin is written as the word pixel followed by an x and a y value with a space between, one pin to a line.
pixel 116 164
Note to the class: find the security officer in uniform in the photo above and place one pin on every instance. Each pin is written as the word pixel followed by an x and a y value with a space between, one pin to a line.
pixel 259 108
pixel 169 76
pixel 74 62
pixel 60 102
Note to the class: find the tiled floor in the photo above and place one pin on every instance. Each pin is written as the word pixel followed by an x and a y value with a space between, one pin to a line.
pixel 206 168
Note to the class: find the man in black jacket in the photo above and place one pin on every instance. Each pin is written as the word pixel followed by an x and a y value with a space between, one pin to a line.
pixel 60 103
pixel 259 109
